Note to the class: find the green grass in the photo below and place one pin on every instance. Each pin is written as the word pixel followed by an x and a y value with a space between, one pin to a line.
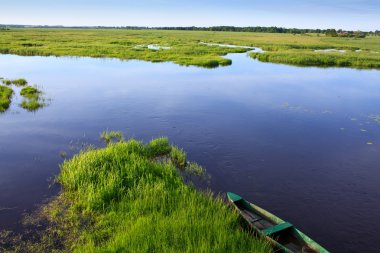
pixel 5 98
pixel 307 58
pixel 185 47
pixel 111 136
pixel 32 105
pixel 178 156
pixel 17 82
pixel 126 198
pixel 375 118
pixel 33 100
pixel 30 92
pixel 7 82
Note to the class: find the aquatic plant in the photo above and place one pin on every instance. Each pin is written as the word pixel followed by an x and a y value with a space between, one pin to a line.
pixel 5 98
pixel 32 101
pixel 7 81
pixel 30 92
pixel 375 118
pixel 158 147
pixel 119 199
pixel 178 157
pixel 32 104
pixel 19 82
pixel 111 136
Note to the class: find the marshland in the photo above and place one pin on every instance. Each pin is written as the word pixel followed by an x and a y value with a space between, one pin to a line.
pixel 92 172
pixel 187 48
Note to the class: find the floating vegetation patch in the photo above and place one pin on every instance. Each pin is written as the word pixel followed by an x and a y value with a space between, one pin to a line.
pixel 18 82
pixel 32 96
pixel 30 92
pixel 7 82
pixel 111 137
pixel 32 105
pixel 32 99
pixel 5 98
pixel 375 118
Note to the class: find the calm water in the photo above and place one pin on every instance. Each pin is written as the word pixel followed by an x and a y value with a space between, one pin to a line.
pixel 292 140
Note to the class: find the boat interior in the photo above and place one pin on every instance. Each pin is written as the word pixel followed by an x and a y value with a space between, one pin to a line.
pixel 283 233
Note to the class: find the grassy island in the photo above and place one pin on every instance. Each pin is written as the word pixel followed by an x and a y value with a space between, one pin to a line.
pixel 131 197
pixel 186 47
pixel 5 98
pixel 32 98
pixel 32 101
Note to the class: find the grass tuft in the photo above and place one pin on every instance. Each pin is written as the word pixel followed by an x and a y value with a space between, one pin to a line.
pixel 158 147
pixel 19 82
pixel 111 136
pixel 30 92
pixel 178 157
pixel 32 101
pixel 32 105
pixel 7 82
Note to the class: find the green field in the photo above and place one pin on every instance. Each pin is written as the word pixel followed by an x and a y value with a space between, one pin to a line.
pixel 130 197
pixel 185 47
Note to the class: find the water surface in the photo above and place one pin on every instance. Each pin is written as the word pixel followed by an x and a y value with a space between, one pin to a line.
pixel 295 141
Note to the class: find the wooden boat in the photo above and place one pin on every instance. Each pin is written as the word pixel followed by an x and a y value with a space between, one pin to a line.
pixel 279 233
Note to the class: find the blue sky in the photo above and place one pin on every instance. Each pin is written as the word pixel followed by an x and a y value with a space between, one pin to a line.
pixel 345 14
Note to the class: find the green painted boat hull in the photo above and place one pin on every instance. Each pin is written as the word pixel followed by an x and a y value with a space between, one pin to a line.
pixel 281 234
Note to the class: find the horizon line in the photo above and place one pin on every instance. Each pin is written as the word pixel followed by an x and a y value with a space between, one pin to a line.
pixel 180 26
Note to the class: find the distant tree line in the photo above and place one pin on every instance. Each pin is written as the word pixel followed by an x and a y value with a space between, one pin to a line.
pixel 274 29
pixel 271 29
pixel 351 34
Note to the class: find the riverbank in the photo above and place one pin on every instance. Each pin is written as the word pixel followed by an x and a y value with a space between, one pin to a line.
pixel 130 196
pixel 184 47
pixel 308 58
